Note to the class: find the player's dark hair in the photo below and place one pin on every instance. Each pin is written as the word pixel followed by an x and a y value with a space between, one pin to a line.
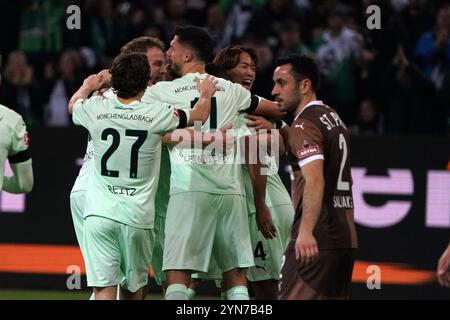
pixel 228 57
pixel 198 40
pixel 130 74
pixel 303 67
pixel 142 44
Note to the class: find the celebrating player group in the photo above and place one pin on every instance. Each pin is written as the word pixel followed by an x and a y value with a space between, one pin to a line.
pixel 180 174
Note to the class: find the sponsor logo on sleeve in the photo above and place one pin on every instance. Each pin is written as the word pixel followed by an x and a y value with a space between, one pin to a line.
pixel 307 150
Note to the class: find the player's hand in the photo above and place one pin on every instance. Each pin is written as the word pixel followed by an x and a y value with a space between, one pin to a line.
pixel 258 122
pixel 224 138
pixel 306 249
pixel 207 87
pixel 93 82
pixel 105 78
pixel 443 269
pixel 264 222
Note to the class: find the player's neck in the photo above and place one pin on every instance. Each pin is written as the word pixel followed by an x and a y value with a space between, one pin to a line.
pixel 193 67
pixel 304 102
pixel 127 101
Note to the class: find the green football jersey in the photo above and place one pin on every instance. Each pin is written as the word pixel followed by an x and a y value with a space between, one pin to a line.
pixel 81 182
pixel 197 169
pixel 276 193
pixel 162 194
pixel 13 139
pixel 126 152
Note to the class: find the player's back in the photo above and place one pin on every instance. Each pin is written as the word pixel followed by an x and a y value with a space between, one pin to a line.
pixel 126 148
pixel 12 135
pixel 200 170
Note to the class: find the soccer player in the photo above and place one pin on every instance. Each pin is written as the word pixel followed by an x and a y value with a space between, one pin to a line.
pixel 319 259
pixel 443 269
pixel 126 140
pixel 271 204
pixel 14 147
pixel 205 196
pixel 153 48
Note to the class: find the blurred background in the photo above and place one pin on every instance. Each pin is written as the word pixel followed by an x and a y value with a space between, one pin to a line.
pixel 390 85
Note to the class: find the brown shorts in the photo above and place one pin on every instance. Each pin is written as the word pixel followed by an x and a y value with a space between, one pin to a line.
pixel 329 277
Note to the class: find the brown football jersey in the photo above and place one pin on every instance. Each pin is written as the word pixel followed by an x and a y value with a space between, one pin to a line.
pixel 318 133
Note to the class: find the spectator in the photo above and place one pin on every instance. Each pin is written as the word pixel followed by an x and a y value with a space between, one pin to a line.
pixel 239 16
pixel 19 89
pixel 215 25
pixel 265 23
pixel 369 121
pixel 433 48
pixel 337 51
pixel 62 86
pixel 411 100
pixel 291 41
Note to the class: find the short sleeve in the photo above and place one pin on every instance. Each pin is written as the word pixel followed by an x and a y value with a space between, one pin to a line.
pixel 19 143
pixel 84 109
pixel 245 102
pixel 306 142
pixel 169 119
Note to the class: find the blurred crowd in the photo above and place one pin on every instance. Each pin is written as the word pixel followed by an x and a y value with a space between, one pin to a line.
pixel 392 80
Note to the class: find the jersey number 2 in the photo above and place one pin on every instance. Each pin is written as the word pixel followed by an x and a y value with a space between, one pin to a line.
pixel 141 136
pixel 342 185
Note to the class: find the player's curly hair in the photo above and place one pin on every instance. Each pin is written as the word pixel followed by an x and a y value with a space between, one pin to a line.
pixel 228 57
pixel 130 74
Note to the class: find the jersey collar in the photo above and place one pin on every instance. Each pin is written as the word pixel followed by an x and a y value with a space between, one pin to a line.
pixel 312 103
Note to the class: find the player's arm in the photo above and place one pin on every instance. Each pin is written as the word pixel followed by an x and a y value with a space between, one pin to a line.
pixel 261 123
pixel 20 161
pixel 310 161
pixel 268 109
pixel 256 168
pixel 90 84
pixel 202 108
pixel 22 179
pixel 443 269
pixel 306 246
pixel 189 138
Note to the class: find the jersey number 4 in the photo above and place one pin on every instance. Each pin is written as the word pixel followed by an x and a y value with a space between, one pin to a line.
pixel 141 136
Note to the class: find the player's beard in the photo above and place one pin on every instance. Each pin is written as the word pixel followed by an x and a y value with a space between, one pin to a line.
pixel 174 70
pixel 292 104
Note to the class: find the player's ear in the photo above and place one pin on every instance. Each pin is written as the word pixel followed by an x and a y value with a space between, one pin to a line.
pixel 188 56
pixel 305 86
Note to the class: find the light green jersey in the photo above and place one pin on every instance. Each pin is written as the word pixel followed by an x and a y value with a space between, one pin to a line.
pixel 81 182
pixel 197 169
pixel 162 194
pixel 276 193
pixel 126 152
pixel 13 139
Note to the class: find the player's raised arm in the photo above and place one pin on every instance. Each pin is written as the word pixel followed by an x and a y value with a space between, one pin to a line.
pixel 90 84
pixel 202 109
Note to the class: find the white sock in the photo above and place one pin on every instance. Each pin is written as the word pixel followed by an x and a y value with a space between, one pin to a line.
pixel 238 293
pixel 191 293
pixel 176 292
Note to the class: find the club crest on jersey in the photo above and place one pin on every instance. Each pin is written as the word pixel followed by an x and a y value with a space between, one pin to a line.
pixel 307 150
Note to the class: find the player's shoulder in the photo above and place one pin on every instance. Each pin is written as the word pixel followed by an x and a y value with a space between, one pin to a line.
pixel 9 116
